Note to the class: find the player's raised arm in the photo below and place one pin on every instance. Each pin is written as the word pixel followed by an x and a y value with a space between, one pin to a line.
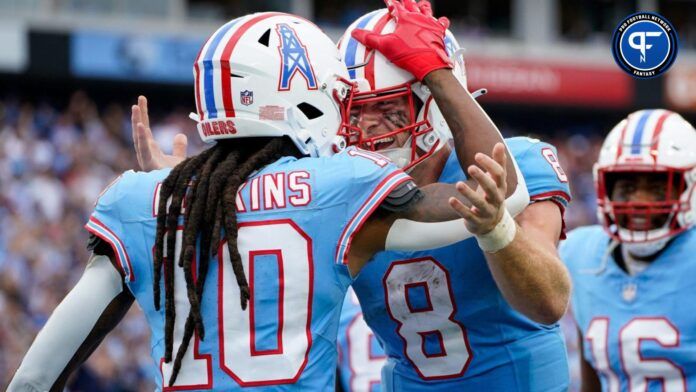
pixel 417 45
pixel 92 309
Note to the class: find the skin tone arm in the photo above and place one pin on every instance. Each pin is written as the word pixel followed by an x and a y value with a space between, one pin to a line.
pixel 589 381
pixel 473 130
pixel 529 272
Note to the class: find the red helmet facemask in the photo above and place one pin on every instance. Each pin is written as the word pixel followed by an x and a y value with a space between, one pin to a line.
pixel 414 130
pixel 642 221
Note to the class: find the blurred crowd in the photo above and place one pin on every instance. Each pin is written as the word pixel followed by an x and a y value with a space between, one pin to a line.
pixel 53 165
pixel 54 162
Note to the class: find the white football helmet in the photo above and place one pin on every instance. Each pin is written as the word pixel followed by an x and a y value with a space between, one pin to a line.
pixel 380 80
pixel 648 141
pixel 272 74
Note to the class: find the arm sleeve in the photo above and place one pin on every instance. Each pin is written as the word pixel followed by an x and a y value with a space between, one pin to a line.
pixel 68 327
pixel 546 180
pixel 543 174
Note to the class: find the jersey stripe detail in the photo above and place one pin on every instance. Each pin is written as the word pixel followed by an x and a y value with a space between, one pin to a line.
pixel 96 227
pixel 559 195
pixel 373 201
pixel 560 199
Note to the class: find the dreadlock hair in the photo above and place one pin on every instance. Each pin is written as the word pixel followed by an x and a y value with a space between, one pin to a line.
pixel 206 186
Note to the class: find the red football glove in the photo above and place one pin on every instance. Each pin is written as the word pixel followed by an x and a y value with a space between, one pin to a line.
pixel 417 44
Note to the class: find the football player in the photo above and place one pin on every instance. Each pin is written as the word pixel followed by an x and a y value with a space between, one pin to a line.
pixel 455 317
pixel 497 321
pixel 633 275
pixel 465 316
pixel 241 256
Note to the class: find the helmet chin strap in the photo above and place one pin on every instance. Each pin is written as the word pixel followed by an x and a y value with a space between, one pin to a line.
pixel 645 249
pixel 649 246
pixel 401 156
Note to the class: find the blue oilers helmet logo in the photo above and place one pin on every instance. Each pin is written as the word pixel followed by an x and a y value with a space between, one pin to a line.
pixel 293 59
pixel 645 45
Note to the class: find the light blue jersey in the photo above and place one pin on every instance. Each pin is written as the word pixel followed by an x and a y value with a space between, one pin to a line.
pixel 639 332
pixel 443 322
pixel 360 355
pixel 296 222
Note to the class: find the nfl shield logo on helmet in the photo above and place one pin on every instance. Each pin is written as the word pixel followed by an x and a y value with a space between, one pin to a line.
pixel 247 97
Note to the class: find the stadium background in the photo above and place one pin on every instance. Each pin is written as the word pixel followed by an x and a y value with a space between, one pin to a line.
pixel 70 69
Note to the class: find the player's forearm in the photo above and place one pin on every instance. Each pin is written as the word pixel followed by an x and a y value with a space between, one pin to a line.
pixel 531 278
pixel 471 127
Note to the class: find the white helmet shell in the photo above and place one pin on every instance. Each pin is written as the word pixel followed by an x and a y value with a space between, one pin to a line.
pixel 373 73
pixel 271 74
pixel 649 141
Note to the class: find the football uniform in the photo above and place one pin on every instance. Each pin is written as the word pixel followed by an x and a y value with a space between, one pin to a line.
pixel 639 332
pixel 444 323
pixel 360 355
pixel 296 221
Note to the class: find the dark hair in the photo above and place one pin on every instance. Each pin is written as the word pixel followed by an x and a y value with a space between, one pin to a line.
pixel 206 185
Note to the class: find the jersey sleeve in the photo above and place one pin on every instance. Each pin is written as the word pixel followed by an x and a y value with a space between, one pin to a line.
pixel 545 178
pixel 373 178
pixel 126 200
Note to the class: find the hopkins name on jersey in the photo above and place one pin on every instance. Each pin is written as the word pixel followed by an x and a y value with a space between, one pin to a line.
pixel 296 221
pixel 639 332
pixel 442 320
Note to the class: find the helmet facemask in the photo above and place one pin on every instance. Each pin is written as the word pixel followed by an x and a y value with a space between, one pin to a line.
pixel 643 226
pixel 400 128
pixel 425 131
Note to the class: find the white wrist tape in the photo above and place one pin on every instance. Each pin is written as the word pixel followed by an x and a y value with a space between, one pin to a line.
pixel 501 236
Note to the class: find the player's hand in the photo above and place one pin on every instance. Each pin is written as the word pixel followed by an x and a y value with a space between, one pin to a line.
pixel 417 44
pixel 488 200
pixel 150 155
